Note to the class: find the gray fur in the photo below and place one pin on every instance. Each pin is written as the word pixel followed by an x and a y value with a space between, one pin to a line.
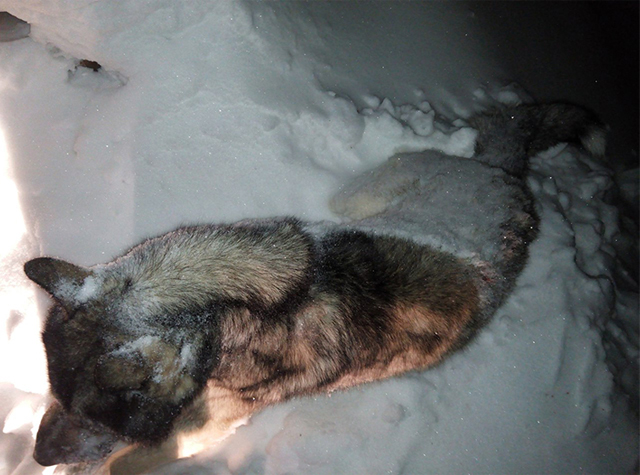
pixel 207 323
pixel 533 128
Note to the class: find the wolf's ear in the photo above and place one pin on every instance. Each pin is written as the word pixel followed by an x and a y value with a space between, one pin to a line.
pixel 56 276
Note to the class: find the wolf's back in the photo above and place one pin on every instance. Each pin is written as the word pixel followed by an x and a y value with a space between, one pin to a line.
pixel 508 137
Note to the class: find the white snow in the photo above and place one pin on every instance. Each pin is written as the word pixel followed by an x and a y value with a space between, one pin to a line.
pixel 217 111
pixel 88 290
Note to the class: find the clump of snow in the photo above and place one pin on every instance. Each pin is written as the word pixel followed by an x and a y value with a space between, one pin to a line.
pixel 68 290
pixel 88 290
pixel 219 111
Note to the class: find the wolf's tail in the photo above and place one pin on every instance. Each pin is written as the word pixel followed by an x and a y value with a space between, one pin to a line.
pixel 509 137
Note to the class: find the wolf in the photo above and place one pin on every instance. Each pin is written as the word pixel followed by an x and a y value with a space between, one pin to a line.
pixel 207 324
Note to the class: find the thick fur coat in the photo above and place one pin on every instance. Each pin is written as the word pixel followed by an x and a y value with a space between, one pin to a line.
pixel 209 323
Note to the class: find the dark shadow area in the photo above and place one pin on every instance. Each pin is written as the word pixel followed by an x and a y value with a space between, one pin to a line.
pixel 581 52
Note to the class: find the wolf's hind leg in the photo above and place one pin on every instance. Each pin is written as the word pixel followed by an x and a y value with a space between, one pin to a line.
pixel 135 460
pixel 372 193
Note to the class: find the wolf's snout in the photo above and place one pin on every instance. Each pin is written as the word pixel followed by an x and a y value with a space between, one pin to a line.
pixel 61 440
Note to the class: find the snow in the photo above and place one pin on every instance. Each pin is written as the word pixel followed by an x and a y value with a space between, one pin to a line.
pixel 88 290
pixel 220 111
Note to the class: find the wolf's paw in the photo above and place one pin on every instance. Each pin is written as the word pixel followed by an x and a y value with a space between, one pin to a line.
pixel 375 192
pixel 358 206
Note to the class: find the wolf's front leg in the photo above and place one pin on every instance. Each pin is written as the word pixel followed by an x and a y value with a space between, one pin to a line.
pixel 136 459
pixel 211 418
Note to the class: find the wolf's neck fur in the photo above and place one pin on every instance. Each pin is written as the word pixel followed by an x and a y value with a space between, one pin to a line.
pixel 256 264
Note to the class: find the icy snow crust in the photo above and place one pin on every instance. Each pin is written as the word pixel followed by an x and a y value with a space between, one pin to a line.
pixel 219 111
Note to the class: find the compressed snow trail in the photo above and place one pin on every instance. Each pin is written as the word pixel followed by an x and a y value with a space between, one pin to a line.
pixel 220 111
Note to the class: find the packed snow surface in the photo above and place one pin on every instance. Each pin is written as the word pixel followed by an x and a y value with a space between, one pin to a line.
pixel 209 111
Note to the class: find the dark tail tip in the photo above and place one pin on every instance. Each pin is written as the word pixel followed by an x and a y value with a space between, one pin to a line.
pixel 508 137
pixel 562 122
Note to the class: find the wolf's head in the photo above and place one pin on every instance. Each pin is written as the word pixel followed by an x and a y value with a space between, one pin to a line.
pixel 114 376
pixel 133 342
